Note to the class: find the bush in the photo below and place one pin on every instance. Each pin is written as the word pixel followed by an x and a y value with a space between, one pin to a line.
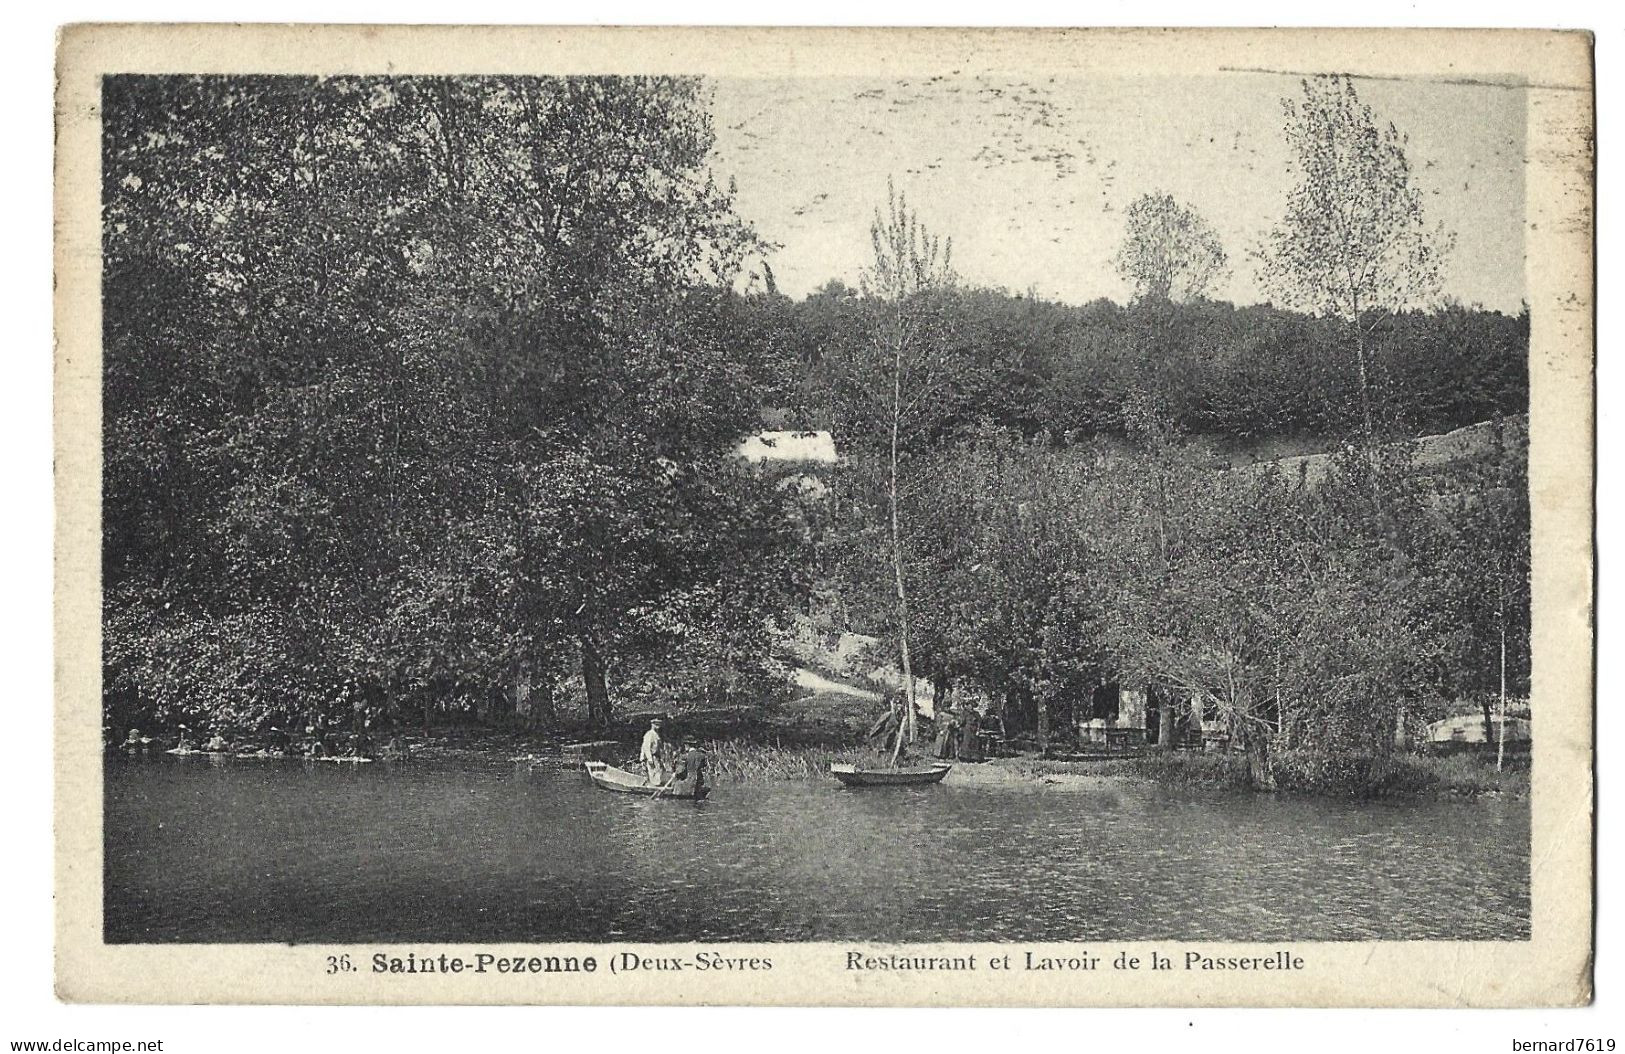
pixel 1368 776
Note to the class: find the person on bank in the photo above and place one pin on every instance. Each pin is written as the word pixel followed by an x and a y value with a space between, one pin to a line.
pixel 883 733
pixel 946 747
pixel 654 745
pixel 970 748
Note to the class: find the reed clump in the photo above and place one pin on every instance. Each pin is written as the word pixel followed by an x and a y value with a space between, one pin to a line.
pixel 1466 775
pixel 744 761
pixel 1303 772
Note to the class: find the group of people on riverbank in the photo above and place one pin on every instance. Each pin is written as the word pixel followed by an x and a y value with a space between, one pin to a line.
pixel 318 741
pixel 958 732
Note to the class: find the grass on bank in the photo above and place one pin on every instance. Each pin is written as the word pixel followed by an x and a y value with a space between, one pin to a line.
pixel 1183 769
pixel 1467 775
pixel 736 762
pixel 799 738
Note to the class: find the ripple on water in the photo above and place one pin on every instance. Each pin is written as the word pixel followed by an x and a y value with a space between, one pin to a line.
pixel 451 851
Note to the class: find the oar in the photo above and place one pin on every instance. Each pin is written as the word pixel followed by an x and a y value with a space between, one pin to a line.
pixel 669 784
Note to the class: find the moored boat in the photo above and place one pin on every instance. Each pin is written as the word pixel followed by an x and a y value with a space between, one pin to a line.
pixel 853 776
pixel 611 778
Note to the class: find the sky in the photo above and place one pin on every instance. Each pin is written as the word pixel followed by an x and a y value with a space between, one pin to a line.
pixel 1031 179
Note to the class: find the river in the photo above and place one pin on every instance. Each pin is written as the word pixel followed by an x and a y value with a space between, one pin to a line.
pixel 232 850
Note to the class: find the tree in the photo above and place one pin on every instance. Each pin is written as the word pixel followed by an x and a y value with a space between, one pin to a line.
pixel 274 400
pixel 370 343
pixel 911 267
pixel 1480 564
pixel 1353 241
pixel 1008 588
pixel 1169 251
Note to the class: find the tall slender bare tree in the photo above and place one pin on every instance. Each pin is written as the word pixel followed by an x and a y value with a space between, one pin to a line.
pixel 911 269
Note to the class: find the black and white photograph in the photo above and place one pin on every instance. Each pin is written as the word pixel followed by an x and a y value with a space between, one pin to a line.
pixel 707 510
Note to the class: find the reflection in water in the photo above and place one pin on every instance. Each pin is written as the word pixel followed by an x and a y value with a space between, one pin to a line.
pixel 200 850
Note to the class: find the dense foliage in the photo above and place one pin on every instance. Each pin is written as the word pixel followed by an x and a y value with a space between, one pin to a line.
pixel 1239 375
pixel 415 392
pixel 1323 613
pixel 422 395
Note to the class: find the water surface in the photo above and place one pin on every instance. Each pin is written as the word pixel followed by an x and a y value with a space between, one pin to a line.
pixel 204 849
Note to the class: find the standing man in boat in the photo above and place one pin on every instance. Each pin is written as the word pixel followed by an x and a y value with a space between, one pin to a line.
pixel 653 746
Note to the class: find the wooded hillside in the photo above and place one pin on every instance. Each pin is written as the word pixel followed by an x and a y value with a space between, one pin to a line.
pixel 422 397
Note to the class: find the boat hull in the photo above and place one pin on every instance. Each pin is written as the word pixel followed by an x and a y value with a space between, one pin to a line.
pixel 610 778
pixel 853 776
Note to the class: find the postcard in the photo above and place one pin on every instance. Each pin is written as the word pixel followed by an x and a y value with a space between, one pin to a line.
pixel 824 517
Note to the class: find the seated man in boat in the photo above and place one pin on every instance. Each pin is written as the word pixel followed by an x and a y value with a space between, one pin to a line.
pixel 279 741
pixel 216 744
pixel 691 766
pixel 654 764
pixel 361 744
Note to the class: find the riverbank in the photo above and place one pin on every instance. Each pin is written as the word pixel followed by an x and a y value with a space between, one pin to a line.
pixel 799 740
pixel 1396 777
pixel 1402 775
